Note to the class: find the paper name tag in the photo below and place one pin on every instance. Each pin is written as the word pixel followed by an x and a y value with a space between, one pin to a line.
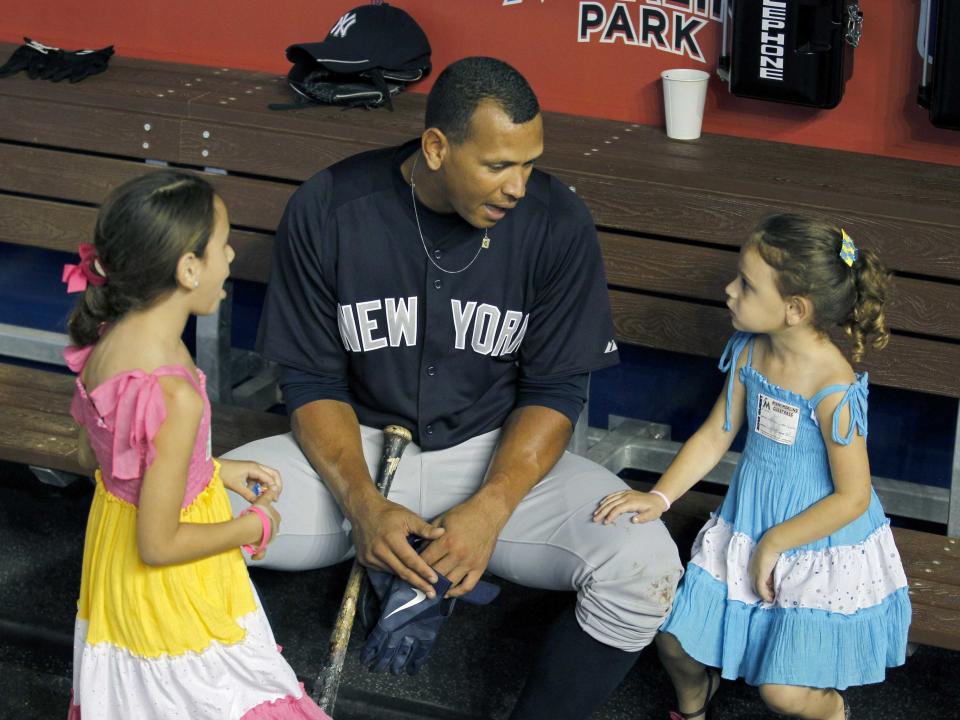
pixel 777 420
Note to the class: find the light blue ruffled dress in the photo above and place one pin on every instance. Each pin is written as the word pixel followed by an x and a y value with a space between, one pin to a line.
pixel 842 610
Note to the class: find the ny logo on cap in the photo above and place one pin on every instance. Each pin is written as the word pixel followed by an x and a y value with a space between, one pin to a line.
pixel 344 24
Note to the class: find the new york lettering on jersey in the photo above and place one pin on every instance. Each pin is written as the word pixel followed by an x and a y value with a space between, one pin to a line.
pixel 376 324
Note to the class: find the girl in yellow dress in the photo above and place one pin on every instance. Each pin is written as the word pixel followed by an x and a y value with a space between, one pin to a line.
pixel 168 623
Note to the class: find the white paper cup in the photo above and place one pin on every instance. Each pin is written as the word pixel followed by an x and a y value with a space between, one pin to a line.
pixel 684 95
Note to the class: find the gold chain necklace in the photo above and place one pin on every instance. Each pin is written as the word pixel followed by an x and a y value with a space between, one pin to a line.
pixel 484 242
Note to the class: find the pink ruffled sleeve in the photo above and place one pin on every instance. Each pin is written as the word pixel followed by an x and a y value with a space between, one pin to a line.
pixel 76 357
pixel 140 411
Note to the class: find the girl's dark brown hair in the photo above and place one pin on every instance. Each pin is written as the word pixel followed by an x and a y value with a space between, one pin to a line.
pixel 143 229
pixel 805 253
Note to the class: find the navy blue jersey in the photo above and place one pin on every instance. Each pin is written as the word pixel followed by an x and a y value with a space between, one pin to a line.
pixel 353 295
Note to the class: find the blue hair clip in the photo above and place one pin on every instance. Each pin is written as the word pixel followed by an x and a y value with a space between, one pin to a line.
pixel 848 251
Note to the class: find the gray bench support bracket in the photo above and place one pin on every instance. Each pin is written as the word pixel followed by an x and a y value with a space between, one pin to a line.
pixel 30 344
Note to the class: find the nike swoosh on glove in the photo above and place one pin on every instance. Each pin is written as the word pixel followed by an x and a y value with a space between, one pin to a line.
pixel 409 621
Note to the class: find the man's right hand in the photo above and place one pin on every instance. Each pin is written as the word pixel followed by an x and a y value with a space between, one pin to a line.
pixel 380 532
pixel 329 434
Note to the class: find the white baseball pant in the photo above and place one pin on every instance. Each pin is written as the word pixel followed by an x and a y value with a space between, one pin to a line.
pixel 625 574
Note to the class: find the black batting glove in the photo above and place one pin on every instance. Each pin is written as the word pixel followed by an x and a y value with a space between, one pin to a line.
pixel 32 56
pixel 76 65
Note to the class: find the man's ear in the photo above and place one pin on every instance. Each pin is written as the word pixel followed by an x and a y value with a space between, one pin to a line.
pixel 435 145
pixel 188 271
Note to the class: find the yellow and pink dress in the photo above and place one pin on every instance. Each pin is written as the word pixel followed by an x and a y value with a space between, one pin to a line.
pixel 184 641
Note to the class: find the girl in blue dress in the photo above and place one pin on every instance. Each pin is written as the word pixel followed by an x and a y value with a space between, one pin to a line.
pixel 795 583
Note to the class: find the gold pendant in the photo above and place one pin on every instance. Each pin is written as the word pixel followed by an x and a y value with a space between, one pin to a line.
pixel 486 242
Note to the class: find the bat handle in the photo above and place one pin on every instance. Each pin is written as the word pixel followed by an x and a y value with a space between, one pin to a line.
pixel 395 440
pixel 326 692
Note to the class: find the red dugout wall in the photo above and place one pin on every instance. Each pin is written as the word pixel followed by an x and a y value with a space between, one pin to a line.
pixel 601 58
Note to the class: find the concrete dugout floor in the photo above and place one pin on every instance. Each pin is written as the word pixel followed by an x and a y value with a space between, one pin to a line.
pixel 476 671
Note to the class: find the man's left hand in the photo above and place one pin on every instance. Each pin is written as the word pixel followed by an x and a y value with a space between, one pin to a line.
pixel 464 550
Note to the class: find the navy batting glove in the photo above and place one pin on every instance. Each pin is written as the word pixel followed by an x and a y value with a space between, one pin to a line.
pixel 409 621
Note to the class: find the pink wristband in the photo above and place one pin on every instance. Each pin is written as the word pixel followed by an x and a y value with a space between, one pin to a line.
pixel 662 497
pixel 265 538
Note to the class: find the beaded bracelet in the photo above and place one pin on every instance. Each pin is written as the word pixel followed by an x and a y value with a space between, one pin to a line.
pixel 265 538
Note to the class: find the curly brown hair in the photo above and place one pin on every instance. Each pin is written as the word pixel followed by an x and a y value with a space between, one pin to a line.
pixel 805 253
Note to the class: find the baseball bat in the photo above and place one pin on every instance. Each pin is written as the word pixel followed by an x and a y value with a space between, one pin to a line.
pixel 395 439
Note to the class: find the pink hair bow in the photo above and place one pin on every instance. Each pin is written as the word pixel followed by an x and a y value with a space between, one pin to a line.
pixel 78 276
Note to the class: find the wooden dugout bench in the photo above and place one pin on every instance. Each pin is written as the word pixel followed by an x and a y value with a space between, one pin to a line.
pixel 671 217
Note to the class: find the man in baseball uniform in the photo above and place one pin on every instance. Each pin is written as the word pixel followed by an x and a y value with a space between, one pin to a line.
pixel 447 286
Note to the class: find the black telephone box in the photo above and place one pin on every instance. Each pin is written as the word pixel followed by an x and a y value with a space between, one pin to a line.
pixel 793 51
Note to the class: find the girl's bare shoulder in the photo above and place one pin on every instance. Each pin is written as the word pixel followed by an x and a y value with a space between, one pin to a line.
pixel 123 350
pixel 833 368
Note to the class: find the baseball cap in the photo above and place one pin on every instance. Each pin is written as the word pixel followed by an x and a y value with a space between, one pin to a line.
pixel 367 37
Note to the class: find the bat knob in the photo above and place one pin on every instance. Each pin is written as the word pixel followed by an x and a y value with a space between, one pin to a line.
pixel 399 431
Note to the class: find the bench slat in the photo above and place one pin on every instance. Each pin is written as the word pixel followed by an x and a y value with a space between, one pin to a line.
pixel 205 93
pixel 88 179
pixel 45 224
pixel 89 128
pixel 28 447
pixel 930 558
pixel 935 626
pixel 45 407
pixel 266 152
pixel 650 207
pixel 17 376
pixel 48 415
pixel 911 363
pixel 780 172
pixel 935 594
pixel 155 89
pixel 126 88
pixel 379 127
pixel 702 273
pixel 55 226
